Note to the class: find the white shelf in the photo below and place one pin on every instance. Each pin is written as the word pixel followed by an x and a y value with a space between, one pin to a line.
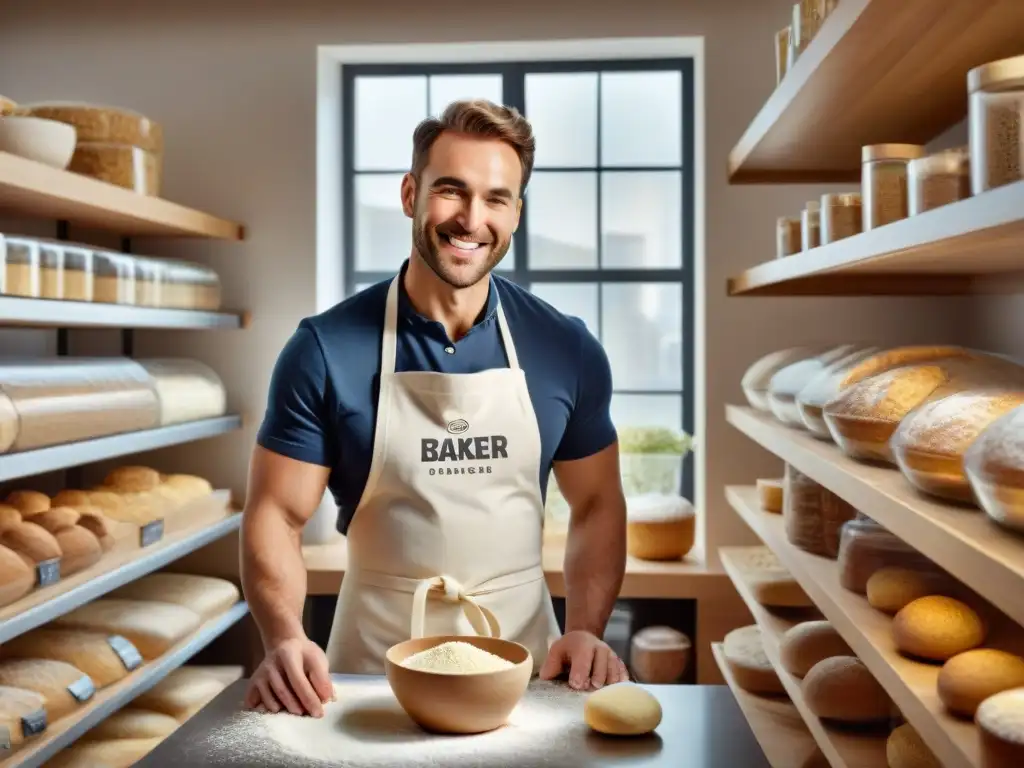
pixel 18 312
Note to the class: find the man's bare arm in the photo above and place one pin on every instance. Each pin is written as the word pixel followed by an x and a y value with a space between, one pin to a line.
pixel 283 495
pixel 595 555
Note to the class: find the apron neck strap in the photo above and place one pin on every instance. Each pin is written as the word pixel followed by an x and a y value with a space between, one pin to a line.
pixel 389 345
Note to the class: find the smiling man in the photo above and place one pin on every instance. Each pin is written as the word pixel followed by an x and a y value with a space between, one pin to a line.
pixel 434 406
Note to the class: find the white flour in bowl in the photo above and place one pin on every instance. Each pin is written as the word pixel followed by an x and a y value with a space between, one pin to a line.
pixel 456 658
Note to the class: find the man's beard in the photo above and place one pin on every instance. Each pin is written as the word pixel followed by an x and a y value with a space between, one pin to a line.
pixel 430 252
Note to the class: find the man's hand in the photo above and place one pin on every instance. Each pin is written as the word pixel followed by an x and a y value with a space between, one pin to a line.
pixel 592 663
pixel 293 676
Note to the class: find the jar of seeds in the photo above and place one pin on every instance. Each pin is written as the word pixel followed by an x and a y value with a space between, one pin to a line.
pixel 938 180
pixel 787 236
pixel 884 182
pixel 996 106
pixel 810 225
pixel 840 216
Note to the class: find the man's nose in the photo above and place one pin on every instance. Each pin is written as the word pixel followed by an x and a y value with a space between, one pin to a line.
pixel 472 215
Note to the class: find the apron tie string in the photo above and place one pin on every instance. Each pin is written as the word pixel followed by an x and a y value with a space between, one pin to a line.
pixel 484 622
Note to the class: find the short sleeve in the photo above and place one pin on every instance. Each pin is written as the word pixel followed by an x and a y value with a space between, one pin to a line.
pixel 590 428
pixel 296 423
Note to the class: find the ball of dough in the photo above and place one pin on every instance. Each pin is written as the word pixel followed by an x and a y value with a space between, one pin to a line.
pixel 804 645
pixel 622 709
pixel 968 679
pixel 906 749
pixel 890 589
pixel 842 688
pixel 937 628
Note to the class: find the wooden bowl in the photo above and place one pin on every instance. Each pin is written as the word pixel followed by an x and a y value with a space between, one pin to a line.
pixel 443 702
pixel 34 138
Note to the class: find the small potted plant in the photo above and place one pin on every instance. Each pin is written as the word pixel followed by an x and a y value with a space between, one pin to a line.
pixel 651 459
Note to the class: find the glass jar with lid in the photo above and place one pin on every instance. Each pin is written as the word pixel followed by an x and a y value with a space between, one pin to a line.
pixel 810 225
pixel 21 267
pixel 208 292
pixel 65 271
pixel 995 111
pixel 884 182
pixel 177 292
pixel 114 281
pixel 938 179
pixel 787 236
pixel 840 216
pixel 149 276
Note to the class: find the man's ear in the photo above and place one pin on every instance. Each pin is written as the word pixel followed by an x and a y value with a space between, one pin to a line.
pixel 409 195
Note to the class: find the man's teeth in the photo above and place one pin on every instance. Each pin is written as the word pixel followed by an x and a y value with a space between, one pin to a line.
pixel 463 245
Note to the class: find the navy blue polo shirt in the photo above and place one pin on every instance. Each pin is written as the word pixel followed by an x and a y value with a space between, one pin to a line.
pixel 322 405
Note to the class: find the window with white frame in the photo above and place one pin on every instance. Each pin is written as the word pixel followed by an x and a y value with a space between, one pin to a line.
pixel 607 232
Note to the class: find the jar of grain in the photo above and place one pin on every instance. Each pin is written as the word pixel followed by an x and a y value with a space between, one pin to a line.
pixel 51 270
pixel 994 123
pixel 884 182
pixel 840 216
pixel 149 276
pixel 781 54
pixel 21 267
pixel 114 278
pixel 126 166
pixel 827 7
pixel 208 292
pixel 787 236
pixel 78 278
pixel 938 180
pixel 810 225
pixel 806 22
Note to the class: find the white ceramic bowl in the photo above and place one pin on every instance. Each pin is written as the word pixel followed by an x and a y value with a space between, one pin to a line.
pixel 34 138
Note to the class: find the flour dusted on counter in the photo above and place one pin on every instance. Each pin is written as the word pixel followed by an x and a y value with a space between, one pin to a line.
pixel 456 658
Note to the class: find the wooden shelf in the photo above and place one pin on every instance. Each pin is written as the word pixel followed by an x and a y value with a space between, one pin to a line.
pixel 776 724
pixel 109 700
pixel 877 72
pixel 962 540
pixel 911 684
pixel 16 312
pixel 116 569
pixel 30 463
pixel 843 748
pixel 961 248
pixel 28 188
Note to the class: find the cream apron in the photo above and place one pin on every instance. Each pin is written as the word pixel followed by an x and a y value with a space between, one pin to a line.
pixel 446 539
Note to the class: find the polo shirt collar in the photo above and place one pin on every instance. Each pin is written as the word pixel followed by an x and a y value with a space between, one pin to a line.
pixel 408 312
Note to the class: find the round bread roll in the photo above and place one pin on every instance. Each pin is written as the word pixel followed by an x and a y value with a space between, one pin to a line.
pixel 743 649
pixel 79 550
pixel 33 542
pixel 841 688
pixel 906 749
pixel 1000 719
pixel 622 709
pixel 9 516
pixel 132 478
pixel 91 518
pixel 969 678
pixel 55 519
pixel 70 498
pixel 937 628
pixel 192 486
pixel 804 645
pixel 28 502
pixel 891 588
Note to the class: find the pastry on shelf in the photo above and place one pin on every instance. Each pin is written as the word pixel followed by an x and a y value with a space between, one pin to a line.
pixel 63 687
pixel 937 628
pixel 969 678
pixel 104 658
pixel 891 588
pixel 32 542
pixel 770 494
pixel 206 595
pixel 79 548
pixel 1000 721
pixel 152 627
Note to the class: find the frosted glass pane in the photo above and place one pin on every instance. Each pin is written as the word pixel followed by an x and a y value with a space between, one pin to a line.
pixel 444 89
pixel 576 299
pixel 387 111
pixel 641 220
pixel 383 232
pixel 561 214
pixel 641 330
pixel 642 118
pixel 647 411
pixel 562 108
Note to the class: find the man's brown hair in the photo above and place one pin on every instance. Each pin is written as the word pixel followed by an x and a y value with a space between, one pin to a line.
pixel 482 118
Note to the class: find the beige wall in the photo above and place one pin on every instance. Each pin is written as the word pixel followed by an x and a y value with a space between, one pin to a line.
pixel 234 84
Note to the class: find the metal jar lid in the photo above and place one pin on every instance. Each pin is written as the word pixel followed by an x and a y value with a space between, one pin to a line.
pixel 874 152
pixel 1002 75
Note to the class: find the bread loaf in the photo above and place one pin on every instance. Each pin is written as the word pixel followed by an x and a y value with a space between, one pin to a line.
pixel 856 367
pixel 770 494
pixel 906 749
pixel 930 443
pixel 121 509
pixel 91 518
pixel 28 502
pixel 132 479
pixel 191 486
pixel 865 547
pixel 659 527
pixel 62 686
pixel 994 465
pixel 91 652
pixel 9 516
pixel 891 588
pixel 133 723
pixel 182 693
pixel 813 515
pixel 969 678
pixel 807 643
pixel 744 653
pixel 787 383
pixel 70 498
pixel 937 628
pixel 17 578
pixel 841 688
pixel 768 580
pixel 1000 720
pixel 113 753
pixel 209 597
pixel 54 519
pixel 758 376
pixel 79 550
pixel 34 543
pixel 151 627
pixel 19 707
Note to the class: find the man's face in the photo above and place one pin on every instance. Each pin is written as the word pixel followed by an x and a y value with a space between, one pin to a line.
pixel 465 207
